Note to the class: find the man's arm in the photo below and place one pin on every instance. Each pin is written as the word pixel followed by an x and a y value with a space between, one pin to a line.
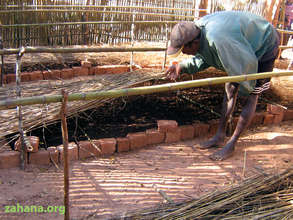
pixel 190 66
pixel 193 65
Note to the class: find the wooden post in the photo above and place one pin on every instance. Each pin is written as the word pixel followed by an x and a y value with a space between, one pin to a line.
pixel 283 6
pixel 65 152
pixel 203 5
pixel 2 56
pixel 23 156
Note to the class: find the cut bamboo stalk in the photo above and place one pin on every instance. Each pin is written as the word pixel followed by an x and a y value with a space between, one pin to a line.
pixel 10 103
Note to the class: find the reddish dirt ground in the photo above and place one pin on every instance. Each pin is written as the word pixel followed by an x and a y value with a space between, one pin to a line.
pixel 112 186
pixel 104 188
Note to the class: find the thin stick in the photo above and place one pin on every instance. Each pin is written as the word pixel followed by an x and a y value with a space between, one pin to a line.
pixel 132 40
pixel 198 104
pixel 166 197
pixel 244 164
pixel 165 56
pixel 65 153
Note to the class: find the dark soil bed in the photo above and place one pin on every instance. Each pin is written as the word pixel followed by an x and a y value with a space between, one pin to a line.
pixel 138 113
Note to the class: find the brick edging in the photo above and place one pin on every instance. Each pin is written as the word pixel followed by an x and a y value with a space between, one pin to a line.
pixel 85 69
pixel 167 131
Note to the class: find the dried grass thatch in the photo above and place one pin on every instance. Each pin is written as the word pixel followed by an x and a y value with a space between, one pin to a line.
pixel 259 197
pixel 43 115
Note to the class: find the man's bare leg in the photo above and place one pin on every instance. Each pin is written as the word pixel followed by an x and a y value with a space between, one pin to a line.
pixel 231 91
pixel 244 120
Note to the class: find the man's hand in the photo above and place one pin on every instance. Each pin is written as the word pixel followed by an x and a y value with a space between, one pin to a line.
pixel 173 71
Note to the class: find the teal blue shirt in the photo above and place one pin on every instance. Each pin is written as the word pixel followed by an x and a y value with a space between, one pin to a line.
pixel 234 42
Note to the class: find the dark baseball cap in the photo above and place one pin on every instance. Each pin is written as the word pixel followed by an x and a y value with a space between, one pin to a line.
pixel 181 34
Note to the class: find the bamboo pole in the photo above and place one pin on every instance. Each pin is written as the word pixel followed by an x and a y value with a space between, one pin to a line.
pixel 80 50
pixel 111 6
pixel 285 31
pixel 10 103
pixel 87 22
pixel 64 129
pixel 105 12
pixel 285 47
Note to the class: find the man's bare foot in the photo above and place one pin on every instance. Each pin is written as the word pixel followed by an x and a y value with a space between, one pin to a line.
pixel 224 153
pixel 213 142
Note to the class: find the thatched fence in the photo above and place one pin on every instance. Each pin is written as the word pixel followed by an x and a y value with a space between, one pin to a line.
pixel 85 22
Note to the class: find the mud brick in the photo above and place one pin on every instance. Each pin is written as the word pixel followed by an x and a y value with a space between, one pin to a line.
pixel 25 77
pixel 34 141
pixel 86 64
pixel 92 71
pixel 268 119
pixel 67 73
pixel 137 140
pixel 36 75
pixel 155 137
pixel 41 157
pixel 76 70
pixel 214 124
pixel 87 149
pixel 46 75
pixel 55 74
pixel 257 119
pixel 9 159
pixel 274 109
pixel 187 132
pixel 53 154
pixel 173 136
pixel 72 152
pixel 111 69
pixel 80 71
pixel 107 145
pixel 278 118
pixel 288 115
pixel 95 70
pixel 10 78
pixel 167 125
pixel 201 129
pixel 123 144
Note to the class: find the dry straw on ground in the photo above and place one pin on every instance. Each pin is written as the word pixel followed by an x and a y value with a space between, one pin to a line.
pixel 259 197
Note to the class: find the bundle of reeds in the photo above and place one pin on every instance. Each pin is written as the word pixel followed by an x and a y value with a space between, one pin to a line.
pixel 258 197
